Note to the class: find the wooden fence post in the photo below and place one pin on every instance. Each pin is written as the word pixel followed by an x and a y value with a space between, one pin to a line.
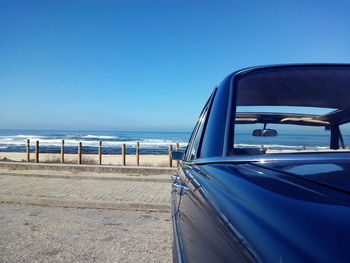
pixel 79 152
pixel 37 151
pixel 177 149
pixel 138 154
pixel 170 159
pixel 28 150
pixel 123 154
pixel 100 152
pixel 62 151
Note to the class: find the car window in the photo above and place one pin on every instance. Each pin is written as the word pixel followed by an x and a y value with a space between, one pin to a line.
pixel 291 111
pixel 292 132
pixel 345 133
pixel 192 148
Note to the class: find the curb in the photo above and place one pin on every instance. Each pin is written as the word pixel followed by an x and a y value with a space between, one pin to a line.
pixel 87 204
pixel 126 170
pixel 91 177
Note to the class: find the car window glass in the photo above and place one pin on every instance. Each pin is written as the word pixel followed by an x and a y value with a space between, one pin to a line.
pixel 295 110
pixel 192 138
pixel 290 137
pixel 345 132
pixel 195 145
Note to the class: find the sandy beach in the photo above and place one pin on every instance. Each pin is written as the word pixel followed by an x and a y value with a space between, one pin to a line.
pixel 154 160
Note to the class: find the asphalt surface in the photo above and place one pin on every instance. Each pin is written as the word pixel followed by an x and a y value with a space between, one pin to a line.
pixel 53 234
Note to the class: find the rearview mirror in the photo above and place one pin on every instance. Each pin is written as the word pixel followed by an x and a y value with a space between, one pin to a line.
pixel 265 133
pixel 177 155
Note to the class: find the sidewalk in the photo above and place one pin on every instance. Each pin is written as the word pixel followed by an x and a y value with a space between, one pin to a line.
pixel 85 190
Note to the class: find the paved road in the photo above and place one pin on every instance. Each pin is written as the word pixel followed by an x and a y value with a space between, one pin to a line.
pixel 85 191
pixel 54 234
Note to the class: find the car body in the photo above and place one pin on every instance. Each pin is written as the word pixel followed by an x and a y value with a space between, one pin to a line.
pixel 235 203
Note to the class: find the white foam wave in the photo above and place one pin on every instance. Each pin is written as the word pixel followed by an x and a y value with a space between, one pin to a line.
pixel 277 146
pixel 143 144
pixel 92 143
pixel 156 140
pixel 17 141
pixel 244 145
pixel 24 136
pixel 159 142
pixel 99 137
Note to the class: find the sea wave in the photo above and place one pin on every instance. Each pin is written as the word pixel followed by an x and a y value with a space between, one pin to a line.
pixel 159 142
pixel 150 142
pixel 22 136
pixel 277 146
pixel 99 137
pixel 93 143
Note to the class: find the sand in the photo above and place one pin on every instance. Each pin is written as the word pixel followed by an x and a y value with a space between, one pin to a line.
pixel 154 160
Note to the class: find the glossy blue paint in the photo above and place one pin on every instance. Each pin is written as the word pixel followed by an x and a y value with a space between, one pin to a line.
pixel 333 172
pixel 216 124
pixel 260 208
pixel 243 213
pixel 280 217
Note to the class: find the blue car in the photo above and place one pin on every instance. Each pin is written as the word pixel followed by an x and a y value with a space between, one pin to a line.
pixel 266 174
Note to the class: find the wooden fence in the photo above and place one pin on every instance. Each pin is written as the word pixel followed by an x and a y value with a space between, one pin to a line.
pixel 99 153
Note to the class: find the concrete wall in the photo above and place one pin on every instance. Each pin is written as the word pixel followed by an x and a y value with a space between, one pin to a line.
pixel 127 170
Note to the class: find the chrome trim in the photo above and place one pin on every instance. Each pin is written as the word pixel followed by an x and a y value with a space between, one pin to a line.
pixel 318 156
pixel 180 188
pixel 175 178
pixel 228 126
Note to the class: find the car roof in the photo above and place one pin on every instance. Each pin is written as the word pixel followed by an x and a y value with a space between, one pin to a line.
pixel 305 85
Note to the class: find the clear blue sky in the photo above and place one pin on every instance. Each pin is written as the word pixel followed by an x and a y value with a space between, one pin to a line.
pixel 148 65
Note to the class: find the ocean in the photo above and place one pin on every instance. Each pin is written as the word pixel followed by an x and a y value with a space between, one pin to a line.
pixel 50 141
pixel 150 142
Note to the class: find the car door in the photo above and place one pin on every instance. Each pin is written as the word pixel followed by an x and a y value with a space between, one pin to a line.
pixel 192 213
pixel 203 235
pixel 179 188
pixel 197 227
